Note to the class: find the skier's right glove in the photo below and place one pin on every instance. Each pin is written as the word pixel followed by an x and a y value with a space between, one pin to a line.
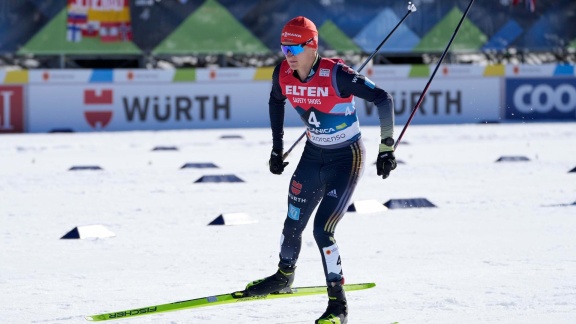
pixel 276 163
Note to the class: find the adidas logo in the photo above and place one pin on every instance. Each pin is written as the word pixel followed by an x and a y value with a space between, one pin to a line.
pixel 333 193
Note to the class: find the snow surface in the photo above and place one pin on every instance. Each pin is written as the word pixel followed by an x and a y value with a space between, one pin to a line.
pixel 499 248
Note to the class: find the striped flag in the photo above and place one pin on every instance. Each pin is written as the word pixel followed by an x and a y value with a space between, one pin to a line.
pixel 531 4
pixel 109 20
pixel 76 19
pixel 73 33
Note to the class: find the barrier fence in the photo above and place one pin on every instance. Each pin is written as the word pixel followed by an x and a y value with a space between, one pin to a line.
pixel 35 101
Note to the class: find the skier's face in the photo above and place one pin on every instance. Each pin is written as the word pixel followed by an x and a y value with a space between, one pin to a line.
pixel 298 55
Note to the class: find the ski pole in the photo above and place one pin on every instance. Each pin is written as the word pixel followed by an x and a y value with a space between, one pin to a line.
pixel 411 9
pixel 432 76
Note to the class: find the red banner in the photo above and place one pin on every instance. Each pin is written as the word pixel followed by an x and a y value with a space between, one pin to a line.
pixel 11 109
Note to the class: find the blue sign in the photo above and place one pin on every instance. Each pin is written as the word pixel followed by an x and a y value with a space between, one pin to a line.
pixel 541 98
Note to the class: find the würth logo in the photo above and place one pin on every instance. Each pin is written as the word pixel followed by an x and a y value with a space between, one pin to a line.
pixel 11 109
pixel 296 187
pixel 98 118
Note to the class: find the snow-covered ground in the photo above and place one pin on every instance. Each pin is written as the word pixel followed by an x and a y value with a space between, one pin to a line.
pixel 499 248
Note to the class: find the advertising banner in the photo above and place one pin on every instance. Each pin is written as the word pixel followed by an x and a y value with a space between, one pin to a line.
pixel 541 98
pixel 121 106
pixel 72 76
pixel 454 101
pixel 115 100
pixel 12 109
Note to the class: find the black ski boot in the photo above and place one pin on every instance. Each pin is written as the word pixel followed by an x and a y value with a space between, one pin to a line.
pixel 337 311
pixel 280 282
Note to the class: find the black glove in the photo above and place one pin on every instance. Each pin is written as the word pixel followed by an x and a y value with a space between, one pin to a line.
pixel 276 163
pixel 385 163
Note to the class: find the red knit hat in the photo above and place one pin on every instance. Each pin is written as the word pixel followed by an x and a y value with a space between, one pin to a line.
pixel 299 30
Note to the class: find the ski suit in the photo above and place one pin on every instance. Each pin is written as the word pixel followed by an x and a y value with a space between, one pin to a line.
pixel 334 156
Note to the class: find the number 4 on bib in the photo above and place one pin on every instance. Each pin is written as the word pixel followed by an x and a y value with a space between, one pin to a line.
pixel 312 120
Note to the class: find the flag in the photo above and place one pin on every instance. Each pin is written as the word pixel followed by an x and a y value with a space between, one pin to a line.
pixel 75 19
pixel 108 20
pixel 125 30
pixel 109 32
pixel 73 33
pixel 530 4
pixel 91 29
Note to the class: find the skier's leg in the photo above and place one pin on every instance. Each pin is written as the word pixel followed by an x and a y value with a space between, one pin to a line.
pixel 341 175
pixel 343 170
pixel 304 193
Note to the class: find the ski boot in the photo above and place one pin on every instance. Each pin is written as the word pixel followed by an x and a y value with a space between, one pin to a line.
pixel 337 311
pixel 280 282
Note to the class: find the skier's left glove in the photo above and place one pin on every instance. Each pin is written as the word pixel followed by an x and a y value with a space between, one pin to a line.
pixel 276 163
pixel 386 160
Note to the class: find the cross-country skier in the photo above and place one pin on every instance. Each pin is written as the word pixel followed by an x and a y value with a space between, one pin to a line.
pixel 322 91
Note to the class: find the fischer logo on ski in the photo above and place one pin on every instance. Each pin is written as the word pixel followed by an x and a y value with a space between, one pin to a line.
pixel 238 296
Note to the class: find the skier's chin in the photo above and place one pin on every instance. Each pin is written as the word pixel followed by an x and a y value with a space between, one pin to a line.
pixel 293 65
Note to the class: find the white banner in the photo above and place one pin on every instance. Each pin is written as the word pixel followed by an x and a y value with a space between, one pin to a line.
pixel 147 100
pixel 116 107
pixel 71 76
pixel 455 101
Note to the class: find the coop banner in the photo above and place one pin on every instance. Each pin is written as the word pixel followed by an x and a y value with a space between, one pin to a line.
pixel 118 107
pixel 541 98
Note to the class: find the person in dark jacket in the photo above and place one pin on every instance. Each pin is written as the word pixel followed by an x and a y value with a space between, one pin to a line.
pixel 322 92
